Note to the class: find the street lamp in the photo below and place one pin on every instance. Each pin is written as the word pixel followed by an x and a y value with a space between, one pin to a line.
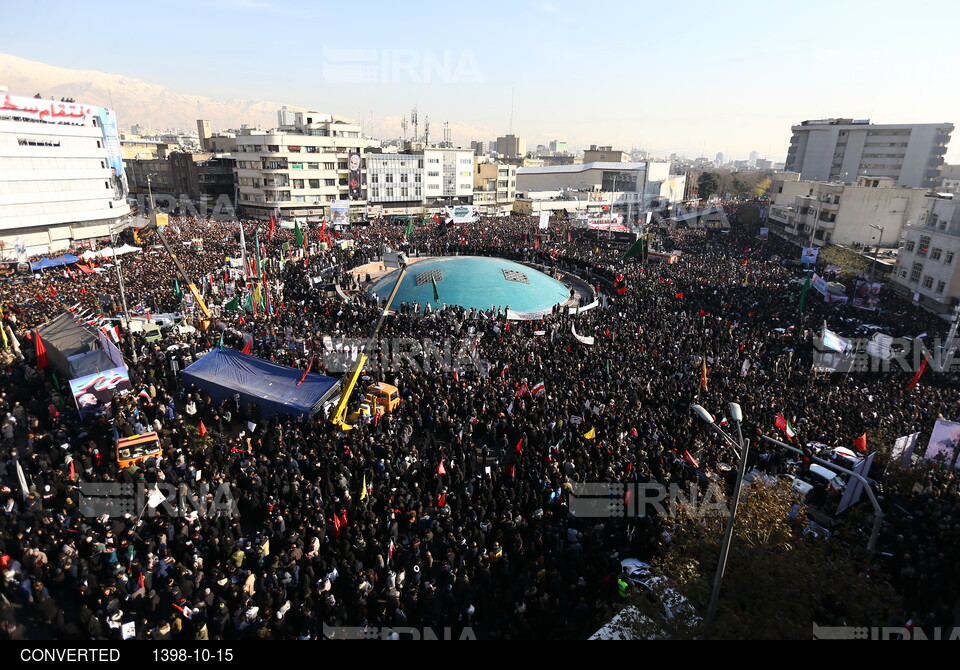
pixel 736 415
pixel 876 251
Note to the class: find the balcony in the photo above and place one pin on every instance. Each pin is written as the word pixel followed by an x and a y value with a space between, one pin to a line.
pixel 275 183
pixel 274 166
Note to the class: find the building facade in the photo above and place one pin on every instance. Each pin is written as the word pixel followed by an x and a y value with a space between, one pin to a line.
pixel 448 176
pixel 494 188
pixel 300 167
pixel 927 267
pixel 511 146
pixel 394 183
pixel 61 175
pixel 846 149
pixel 812 213
pixel 596 154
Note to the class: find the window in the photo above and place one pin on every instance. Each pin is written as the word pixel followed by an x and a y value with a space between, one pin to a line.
pixel 329 166
pixel 374 179
pixel 928 282
pixel 949 259
pixel 314 183
pixel 298 183
pixel 312 150
pixel 389 178
pixel 941 286
pixel 389 192
pixel 341 165
pixel 433 174
pixel 924 246
pixel 935 254
pixel 403 179
pixel 433 160
pixel 273 147
pixel 915 272
pixel 329 182
pixel 911 245
pixel 296 166
pixel 313 166
pixel 404 191
pixel 294 150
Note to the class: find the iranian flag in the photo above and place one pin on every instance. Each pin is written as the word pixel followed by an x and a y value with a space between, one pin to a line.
pixel 786 426
pixel 538 388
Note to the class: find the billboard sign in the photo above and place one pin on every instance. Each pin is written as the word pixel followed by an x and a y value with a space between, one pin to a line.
pixel 462 214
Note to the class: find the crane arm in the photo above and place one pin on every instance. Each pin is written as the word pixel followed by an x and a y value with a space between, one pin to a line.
pixel 191 286
pixel 339 417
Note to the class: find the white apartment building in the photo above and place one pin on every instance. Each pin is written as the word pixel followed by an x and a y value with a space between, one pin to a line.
pixel 61 175
pixel 927 266
pixel 448 177
pixel 846 149
pixel 300 167
pixel 394 184
pixel 814 213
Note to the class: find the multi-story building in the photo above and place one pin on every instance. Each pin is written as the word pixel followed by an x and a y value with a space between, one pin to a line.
pixel 299 168
pixel 949 179
pixel 558 147
pixel 511 147
pixel 812 213
pixel 394 183
pixel 61 175
pixel 448 177
pixel 927 271
pixel 845 149
pixel 494 187
pixel 479 147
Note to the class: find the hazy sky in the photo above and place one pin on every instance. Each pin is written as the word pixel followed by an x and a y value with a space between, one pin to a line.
pixel 693 77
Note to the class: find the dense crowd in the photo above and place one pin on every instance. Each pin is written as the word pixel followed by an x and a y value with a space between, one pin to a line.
pixel 452 511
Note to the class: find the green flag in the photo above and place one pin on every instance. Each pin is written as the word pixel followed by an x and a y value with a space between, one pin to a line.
pixel 635 249
pixel 248 303
pixel 297 233
pixel 409 231
pixel 220 346
pixel 803 293
pixel 436 294
pixel 234 304
pixel 177 293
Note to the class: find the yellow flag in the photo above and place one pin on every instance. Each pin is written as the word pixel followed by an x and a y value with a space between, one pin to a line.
pixel 363 491
pixel 3 331
pixel 590 434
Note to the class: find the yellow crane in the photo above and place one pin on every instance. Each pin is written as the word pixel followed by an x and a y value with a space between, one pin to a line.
pixel 339 417
pixel 207 316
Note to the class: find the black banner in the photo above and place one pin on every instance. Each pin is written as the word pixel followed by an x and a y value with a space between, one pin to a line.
pixel 353 165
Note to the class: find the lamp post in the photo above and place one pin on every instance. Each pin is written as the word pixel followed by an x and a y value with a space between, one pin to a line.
pixel 736 415
pixel 876 251
pixel 123 295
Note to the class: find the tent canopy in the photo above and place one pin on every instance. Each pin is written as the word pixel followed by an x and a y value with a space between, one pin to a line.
pixel 223 373
pixel 73 350
pixel 45 263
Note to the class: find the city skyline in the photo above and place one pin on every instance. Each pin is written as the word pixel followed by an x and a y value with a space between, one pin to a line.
pixel 690 88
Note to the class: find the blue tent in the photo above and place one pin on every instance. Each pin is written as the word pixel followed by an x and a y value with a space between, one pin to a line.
pixel 224 373
pixel 45 263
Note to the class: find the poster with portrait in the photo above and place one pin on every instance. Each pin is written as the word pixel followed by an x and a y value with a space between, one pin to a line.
pixel 944 443
pixel 353 165
pixel 93 393
pixel 867 295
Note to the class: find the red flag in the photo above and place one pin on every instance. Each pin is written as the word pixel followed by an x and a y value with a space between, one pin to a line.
pixel 690 460
pixel 336 526
pixel 916 377
pixel 744 262
pixel 203 430
pixel 273 227
pixel 53 291
pixel 678 295
pixel 440 469
pixel 305 372
pixel 42 360
pixel 522 391
pixel 442 499
pixel 861 443
pixel 519 447
pixel 248 347
pixel 703 372
pixel 456 375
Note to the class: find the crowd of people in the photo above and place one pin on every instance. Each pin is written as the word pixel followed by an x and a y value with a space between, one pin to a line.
pixel 453 511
